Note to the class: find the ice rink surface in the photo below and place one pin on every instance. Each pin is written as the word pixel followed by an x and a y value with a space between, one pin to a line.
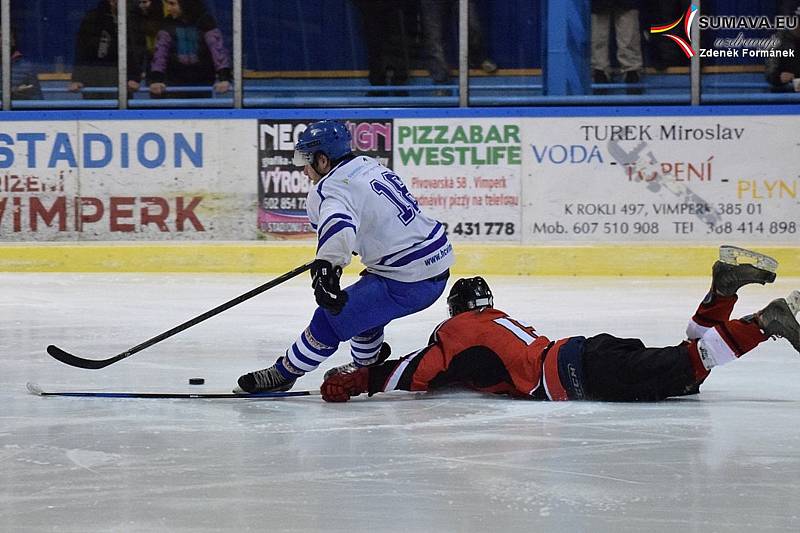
pixel 725 460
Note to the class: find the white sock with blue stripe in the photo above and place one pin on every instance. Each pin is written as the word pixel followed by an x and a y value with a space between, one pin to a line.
pixel 366 348
pixel 307 353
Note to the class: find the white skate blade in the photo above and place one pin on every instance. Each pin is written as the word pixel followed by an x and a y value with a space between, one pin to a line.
pixel 733 255
pixel 793 301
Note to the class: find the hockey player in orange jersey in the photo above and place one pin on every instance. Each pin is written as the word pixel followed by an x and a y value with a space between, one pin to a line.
pixel 483 348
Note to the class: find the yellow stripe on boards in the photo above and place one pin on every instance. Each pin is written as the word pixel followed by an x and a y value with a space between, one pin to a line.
pixel 471 259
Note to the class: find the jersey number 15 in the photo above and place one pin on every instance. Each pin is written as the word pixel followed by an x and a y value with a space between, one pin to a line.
pixel 394 190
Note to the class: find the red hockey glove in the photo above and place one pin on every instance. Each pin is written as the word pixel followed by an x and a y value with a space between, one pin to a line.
pixel 325 281
pixel 343 386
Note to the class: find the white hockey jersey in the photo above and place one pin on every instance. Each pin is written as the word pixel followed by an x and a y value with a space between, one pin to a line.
pixel 362 206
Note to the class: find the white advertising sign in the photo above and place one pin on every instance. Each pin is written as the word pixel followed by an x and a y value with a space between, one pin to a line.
pixel 127 180
pixel 571 180
pixel 661 179
pixel 465 173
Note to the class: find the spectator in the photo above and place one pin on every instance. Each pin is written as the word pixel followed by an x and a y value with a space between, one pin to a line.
pixel 96 53
pixel 144 21
pixel 384 26
pixel 24 78
pixel 189 50
pixel 435 14
pixel 783 73
pixel 625 16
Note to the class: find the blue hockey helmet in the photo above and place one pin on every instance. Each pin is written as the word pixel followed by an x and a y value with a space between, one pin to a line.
pixel 468 294
pixel 327 136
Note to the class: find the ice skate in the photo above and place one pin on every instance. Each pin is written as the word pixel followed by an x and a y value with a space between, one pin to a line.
pixel 267 380
pixel 382 356
pixel 738 267
pixel 793 301
pixel 778 319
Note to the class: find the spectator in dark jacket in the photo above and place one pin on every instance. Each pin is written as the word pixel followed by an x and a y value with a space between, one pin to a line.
pixel 145 18
pixel 189 51
pixel 24 77
pixel 783 73
pixel 96 53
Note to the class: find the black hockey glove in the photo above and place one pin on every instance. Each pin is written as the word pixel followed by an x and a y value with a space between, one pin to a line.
pixel 325 281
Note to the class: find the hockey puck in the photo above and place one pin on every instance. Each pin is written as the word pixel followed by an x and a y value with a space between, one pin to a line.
pixel 196 381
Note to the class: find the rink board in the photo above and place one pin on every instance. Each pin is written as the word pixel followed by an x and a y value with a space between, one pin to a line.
pixel 560 191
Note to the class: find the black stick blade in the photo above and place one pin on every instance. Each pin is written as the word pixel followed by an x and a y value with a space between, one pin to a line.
pixel 73 360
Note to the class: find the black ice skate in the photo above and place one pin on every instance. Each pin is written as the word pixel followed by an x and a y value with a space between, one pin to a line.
pixel 731 272
pixel 266 380
pixel 778 319
pixel 382 356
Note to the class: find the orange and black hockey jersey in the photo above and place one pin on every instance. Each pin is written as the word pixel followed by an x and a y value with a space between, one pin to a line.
pixel 486 350
pixel 489 351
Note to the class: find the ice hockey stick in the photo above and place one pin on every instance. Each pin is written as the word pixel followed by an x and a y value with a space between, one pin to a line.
pixel 94 364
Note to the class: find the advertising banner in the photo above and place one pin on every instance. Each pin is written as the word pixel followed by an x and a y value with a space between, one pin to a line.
pixel 661 179
pixel 283 187
pixel 570 180
pixel 465 173
pixel 126 180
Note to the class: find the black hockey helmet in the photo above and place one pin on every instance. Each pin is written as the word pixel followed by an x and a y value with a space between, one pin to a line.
pixel 468 294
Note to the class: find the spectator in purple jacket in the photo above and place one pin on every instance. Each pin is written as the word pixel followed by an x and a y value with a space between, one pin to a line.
pixel 189 51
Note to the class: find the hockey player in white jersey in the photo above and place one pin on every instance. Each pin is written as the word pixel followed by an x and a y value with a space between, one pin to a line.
pixel 359 206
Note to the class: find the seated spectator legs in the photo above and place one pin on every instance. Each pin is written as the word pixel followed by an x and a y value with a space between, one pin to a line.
pixel 373 40
pixel 398 55
pixel 478 55
pixel 384 27
pixel 628 40
pixel 437 17
pixel 433 14
pixel 629 45
pixel 601 65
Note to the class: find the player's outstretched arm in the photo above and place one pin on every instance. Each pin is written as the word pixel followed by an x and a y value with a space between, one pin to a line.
pixel 342 386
